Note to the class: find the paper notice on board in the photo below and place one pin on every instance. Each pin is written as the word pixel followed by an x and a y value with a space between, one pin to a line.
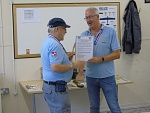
pixel 84 47
pixel 30 15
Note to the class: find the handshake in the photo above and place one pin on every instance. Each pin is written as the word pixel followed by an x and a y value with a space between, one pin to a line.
pixel 76 64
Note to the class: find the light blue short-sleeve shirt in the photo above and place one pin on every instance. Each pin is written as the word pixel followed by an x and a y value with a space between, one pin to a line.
pixel 106 44
pixel 52 52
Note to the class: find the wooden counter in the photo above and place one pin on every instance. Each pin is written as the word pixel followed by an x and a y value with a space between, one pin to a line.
pixel 119 81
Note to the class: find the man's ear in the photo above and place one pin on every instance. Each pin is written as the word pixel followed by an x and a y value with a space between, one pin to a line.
pixel 56 29
pixel 98 17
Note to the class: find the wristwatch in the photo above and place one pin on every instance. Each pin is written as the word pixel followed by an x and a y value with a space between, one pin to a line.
pixel 102 59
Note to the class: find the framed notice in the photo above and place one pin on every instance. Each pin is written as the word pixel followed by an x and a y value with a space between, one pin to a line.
pixel 30 23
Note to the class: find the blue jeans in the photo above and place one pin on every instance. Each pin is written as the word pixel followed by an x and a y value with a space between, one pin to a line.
pixel 109 89
pixel 58 102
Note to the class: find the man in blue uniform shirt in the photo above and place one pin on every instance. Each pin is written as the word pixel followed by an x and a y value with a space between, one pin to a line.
pixel 57 68
pixel 100 69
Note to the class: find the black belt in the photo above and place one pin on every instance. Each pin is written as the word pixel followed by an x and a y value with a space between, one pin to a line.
pixel 50 83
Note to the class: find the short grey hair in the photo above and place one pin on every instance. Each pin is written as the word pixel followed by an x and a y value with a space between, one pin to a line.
pixel 51 30
pixel 94 9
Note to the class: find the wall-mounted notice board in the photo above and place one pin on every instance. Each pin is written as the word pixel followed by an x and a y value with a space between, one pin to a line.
pixel 30 23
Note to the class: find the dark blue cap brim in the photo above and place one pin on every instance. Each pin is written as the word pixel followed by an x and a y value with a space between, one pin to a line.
pixel 67 26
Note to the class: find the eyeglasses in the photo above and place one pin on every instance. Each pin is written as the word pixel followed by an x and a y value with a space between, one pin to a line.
pixel 89 17
pixel 62 27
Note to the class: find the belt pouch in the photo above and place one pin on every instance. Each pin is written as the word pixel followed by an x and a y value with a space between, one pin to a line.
pixel 60 86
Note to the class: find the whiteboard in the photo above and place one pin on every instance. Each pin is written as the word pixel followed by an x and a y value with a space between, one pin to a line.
pixel 30 23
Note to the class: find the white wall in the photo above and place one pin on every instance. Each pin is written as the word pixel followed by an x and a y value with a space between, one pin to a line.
pixel 135 67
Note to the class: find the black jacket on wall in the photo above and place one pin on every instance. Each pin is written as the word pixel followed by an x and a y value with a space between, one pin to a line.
pixel 132 32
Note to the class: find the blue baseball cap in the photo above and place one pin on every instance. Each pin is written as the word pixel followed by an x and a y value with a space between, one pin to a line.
pixel 54 22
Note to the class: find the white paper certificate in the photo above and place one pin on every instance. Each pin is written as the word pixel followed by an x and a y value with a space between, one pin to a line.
pixel 84 47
